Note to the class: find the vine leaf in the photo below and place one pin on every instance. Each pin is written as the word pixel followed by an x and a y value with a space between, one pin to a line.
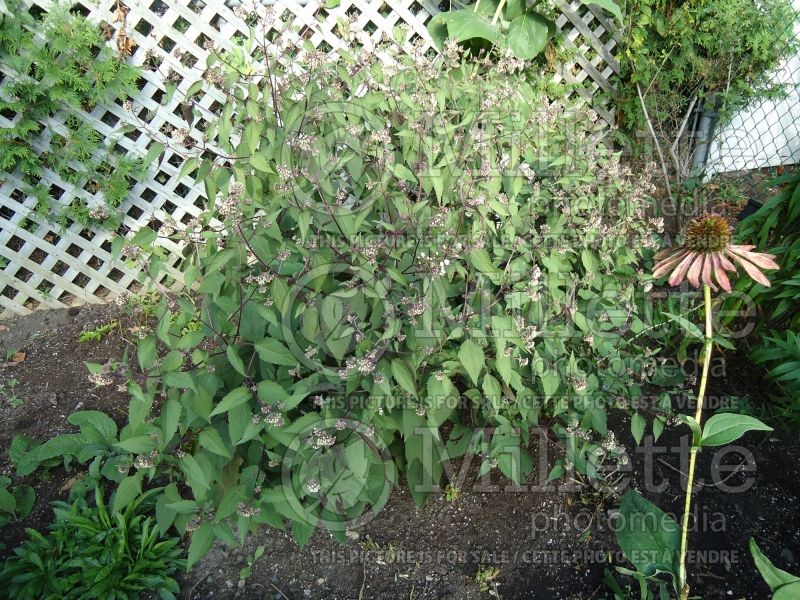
pixel 528 34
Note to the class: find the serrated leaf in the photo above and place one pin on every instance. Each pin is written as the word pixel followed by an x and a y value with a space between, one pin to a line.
pixel 403 376
pixel 472 358
pixel 211 440
pixel 232 399
pixel 202 539
pixel 274 352
pixel 235 360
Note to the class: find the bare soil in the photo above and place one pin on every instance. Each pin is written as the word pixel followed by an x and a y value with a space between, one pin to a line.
pixel 547 544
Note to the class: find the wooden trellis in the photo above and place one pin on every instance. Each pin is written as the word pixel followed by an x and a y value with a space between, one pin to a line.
pixel 44 265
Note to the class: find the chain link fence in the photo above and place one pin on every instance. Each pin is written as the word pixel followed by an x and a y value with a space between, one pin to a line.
pixel 761 140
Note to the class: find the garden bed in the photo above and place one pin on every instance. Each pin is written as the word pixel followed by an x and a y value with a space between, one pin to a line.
pixel 434 551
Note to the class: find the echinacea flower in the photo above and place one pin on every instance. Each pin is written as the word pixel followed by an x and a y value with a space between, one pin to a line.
pixel 707 255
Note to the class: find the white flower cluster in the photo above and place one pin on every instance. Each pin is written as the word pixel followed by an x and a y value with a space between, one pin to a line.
pixel 527 332
pixel 574 430
pixel 145 461
pixel 320 438
pixel 361 364
pixel 304 142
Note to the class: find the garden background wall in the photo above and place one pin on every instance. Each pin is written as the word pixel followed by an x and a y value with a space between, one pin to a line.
pixel 44 265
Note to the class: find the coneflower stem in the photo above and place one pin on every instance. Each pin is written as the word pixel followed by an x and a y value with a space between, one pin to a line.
pixel 687 505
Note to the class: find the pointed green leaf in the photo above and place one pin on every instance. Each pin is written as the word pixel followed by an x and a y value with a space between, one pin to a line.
pixel 774 577
pixel 725 428
pixel 232 399
pixel 648 536
pixel 211 440
pixel 472 358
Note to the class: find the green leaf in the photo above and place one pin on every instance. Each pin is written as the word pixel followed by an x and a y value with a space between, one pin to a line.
pixel 481 260
pixel 302 532
pixel 724 428
pixel 211 440
pixel 528 35
pixel 7 501
pixel 787 592
pixel 232 399
pixel 260 163
pixel 690 328
pixel 274 352
pixel 24 455
pixel 608 5
pixel 556 472
pixel 774 577
pixel 155 149
pixel 638 424
pixel 138 444
pixel 202 539
pixel 25 498
pixel 402 375
pixel 235 360
pixel 144 238
pixel 194 473
pixel 129 489
pixel 472 358
pixel 465 25
pixel 516 464
pixel 62 445
pixel 695 427
pixel 146 353
pixel 649 537
pixel 97 421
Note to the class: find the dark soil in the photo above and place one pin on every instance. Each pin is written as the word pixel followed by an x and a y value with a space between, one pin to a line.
pixel 52 383
pixel 547 544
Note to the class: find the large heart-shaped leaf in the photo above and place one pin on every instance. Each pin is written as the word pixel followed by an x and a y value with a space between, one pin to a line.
pixel 465 25
pixel 724 428
pixel 648 536
pixel 528 34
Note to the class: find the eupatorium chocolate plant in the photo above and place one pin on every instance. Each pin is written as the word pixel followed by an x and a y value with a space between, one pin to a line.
pixel 402 261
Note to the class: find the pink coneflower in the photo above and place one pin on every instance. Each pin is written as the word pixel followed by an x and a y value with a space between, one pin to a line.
pixel 707 254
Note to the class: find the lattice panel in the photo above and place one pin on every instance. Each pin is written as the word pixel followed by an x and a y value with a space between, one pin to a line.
pixel 591 36
pixel 43 265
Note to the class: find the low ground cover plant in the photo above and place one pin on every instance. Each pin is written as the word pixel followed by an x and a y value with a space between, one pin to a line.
pixel 93 551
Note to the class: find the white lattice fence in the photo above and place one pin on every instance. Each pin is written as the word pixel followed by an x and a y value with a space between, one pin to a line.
pixel 49 266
